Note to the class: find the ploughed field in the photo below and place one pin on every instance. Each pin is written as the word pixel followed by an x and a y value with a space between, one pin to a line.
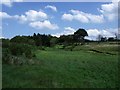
pixel 86 66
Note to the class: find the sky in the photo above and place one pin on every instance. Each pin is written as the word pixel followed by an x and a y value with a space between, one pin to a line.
pixel 59 18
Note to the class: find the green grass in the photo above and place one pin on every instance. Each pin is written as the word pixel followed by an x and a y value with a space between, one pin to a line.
pixel 64 69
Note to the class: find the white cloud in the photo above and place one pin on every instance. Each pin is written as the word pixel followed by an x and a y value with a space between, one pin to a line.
pixel 110 11
pixel 21 18
pixel 67 31
pixel 31 16
pixel 6 3
pixel 9 3
pixel 93 33
pixel 52 7
pixel 68 17
pixel 45 24
pixel 107 11
pixel 35 19
pixel 83 17
pixel 4 15
pixel 1 37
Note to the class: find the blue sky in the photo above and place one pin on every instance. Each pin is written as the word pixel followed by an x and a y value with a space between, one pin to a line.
pixel 26 18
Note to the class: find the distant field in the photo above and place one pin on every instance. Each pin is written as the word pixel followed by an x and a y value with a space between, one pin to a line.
pixel 58 68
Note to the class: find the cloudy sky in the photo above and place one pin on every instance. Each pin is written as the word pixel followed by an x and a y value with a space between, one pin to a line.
pixel 26 18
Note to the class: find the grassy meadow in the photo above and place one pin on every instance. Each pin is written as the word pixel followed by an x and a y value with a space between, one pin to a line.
pixel 86 66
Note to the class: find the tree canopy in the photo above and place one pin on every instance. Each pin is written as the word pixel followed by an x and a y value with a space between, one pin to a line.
pixel 81 33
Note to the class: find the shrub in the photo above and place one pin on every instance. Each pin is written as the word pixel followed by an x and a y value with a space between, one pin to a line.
pixel 20 49
pixel 5 55
pixel 28 53
pixel 16 49
pixel 5 43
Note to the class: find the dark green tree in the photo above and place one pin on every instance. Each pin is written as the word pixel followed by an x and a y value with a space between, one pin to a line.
pixel 53 41
pixel 79 35
pixel 23 40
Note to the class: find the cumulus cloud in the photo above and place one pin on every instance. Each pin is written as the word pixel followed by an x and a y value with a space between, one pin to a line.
pixel 45 24
pixel 9 3
pixel 110 11
pixel 67 31
pixel 107 11
pixel 35 19
pixel 51 7
pixel 68 17
pixel 29 16
pixel 83 17
pixel 1 37
pixel 93 33
pixel 4 15
pixel 32 15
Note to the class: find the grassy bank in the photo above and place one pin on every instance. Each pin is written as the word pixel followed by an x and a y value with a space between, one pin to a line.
pixel 80 68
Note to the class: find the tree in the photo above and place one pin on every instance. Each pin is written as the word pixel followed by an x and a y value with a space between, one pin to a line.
pixel 38 40
pixel 34 36
pixel 5 43
pixel 65 39
pixel 23 40
pixel 103 39
pixel 53 41
pixel 111 39
pixel 79 35
pixel 46 40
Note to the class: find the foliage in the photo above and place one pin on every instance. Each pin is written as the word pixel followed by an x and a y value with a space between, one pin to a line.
pixel 66 39
pixel 5 43
pixel 79 35
pixel 21 49
pixel 5 55
pixel 53 41
pixel 28 53
pixel 23 40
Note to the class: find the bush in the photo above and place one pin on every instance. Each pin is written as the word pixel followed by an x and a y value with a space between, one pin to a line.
pixel 16 49
pixel 5 43
pixel 28 53
pixel 20 49
pixel 5 55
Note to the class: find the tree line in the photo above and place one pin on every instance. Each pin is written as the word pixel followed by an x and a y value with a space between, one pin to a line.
pixel 48 40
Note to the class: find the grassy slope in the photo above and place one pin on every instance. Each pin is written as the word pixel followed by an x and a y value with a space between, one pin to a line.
pixel 60 68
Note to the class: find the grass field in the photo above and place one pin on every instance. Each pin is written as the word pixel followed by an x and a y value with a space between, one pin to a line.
pixel 80 68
